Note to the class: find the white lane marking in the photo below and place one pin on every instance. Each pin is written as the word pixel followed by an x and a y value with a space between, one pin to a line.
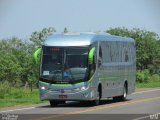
pixel 145 91
pixel 18 109
pixel 141 118
pixel 149 116
pixel 35 107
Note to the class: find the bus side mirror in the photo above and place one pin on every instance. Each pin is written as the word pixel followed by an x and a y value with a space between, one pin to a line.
pixel 90 55
pixel 91 62
pixel 36 55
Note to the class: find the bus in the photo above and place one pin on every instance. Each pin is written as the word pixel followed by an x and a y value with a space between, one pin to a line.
pixel 86 67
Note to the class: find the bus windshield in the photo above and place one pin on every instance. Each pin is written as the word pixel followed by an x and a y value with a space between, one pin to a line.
pixel 64 65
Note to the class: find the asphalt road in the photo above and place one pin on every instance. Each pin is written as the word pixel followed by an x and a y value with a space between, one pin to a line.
pixel 139 106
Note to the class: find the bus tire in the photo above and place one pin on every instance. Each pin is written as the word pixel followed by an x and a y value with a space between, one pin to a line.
pixel 97 100
pixel 122 97
pixel 84 103
pixel 53 103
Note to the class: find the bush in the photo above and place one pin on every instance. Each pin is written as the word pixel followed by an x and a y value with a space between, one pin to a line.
pixel 155 77
pixel 4 89
pixel 143 76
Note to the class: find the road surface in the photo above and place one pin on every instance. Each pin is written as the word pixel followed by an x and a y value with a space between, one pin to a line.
pixel 140 105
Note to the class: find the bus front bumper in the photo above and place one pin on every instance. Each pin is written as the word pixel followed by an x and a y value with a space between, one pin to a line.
pixel 83 95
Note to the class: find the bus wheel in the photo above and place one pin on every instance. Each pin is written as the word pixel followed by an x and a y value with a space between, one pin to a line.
pixel 61 102
pixel 97 101
pixel 84 103
pixel 122 97
pixel 53 103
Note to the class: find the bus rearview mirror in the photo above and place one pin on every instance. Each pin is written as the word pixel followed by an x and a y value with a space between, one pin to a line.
pixel 36 55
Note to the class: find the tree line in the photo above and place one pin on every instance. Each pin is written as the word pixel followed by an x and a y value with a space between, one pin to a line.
pixel 18 69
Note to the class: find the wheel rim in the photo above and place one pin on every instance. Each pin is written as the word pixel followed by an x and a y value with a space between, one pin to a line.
pixel 125 93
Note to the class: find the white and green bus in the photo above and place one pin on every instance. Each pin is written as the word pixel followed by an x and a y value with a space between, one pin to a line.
pixel 86 67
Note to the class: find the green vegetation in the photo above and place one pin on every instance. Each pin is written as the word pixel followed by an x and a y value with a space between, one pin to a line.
pixel 148 85
pixel 10 96
pixel 145 80
pixel 17 65
pixel 19 73
pixel 65 30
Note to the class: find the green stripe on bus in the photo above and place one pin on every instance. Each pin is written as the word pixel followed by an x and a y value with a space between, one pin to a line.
pixel 108 78
pixel 61 84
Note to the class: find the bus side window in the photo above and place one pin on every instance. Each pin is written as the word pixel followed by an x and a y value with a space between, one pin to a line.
pixel 126 56
pixel 100 52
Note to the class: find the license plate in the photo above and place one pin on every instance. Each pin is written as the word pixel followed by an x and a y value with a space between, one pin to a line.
pixel 63 96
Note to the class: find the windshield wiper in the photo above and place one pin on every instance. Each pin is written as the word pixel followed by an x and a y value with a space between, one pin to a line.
pixel 44 79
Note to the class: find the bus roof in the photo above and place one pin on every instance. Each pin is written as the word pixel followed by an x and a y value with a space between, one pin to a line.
pixel 81 39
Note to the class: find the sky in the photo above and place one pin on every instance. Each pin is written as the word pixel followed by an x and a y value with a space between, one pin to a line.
pixel 22 17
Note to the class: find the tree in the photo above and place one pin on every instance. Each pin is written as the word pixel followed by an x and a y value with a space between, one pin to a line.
pixel 16 63
pixel 65 30
pixel 12 53
pixel 38 37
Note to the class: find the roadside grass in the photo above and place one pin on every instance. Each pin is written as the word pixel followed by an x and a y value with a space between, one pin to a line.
pixel 151 84
pixel 19 96
pixel 148 81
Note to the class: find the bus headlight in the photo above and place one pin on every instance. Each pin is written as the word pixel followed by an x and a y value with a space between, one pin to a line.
pixel 43 88
pixel 83 87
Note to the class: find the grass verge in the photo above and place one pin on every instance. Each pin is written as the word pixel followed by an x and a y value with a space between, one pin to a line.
pixel 19 96
pixel 152 84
